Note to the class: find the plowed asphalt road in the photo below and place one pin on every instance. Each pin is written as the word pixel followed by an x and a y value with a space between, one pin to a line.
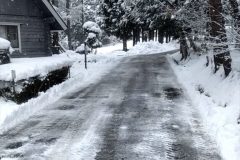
pixel 138 111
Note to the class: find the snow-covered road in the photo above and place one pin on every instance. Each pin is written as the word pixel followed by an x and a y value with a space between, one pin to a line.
pixel 136 112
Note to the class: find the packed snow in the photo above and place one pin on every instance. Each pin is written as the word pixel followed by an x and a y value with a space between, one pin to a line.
pixel 216 97
pixel 101 63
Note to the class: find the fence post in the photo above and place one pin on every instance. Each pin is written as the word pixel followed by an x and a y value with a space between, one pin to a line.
pixel 85 53
pixel 13 72
pixel 69 72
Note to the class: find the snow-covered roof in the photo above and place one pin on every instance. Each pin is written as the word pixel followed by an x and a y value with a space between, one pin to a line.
pixel 55 14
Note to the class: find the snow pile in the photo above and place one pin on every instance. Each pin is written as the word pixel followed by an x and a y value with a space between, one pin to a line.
pixel 6 109
pixel 217 99
pixel 81 49
pixel 30 67
pixel 4 44
pixel 153 47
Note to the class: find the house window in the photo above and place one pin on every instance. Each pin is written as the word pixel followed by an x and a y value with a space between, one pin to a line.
pixel 11 33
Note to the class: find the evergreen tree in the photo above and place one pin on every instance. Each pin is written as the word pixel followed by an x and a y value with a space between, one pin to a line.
pixel 116 19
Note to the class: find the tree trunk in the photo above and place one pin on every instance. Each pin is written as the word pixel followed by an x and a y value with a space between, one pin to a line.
pixel 144 36
pixel 166 37
pixel 134 37
pixel 69 26
pixel 219 37
pixel 192 44
pixel 183 46
pixel 236 16
pixel 125 43
pixel 151 35
pixel 160 36
pixel 138 35
pixel 156 35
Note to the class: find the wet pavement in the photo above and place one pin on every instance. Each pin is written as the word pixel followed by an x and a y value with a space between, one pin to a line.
pixel 138 111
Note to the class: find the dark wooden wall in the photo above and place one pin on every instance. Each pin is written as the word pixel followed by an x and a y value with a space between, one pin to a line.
pixel 34 32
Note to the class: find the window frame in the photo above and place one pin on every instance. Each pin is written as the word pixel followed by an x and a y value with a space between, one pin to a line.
pixel 18 25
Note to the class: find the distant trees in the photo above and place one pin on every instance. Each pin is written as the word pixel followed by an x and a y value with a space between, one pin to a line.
pixel 149 19
pixel 198 24
pixel 76 13
pixel 116 19
pixel 206 18
pixel 192 20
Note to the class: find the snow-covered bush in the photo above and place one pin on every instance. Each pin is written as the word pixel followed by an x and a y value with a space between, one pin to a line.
pixel 93 35
pixel 92 27
pixel 4 44
pixel 81 49
pixel 94 32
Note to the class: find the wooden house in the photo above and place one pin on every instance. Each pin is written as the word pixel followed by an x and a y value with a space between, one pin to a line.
pixel 31 26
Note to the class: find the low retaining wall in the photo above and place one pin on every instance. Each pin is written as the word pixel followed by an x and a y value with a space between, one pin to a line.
pixel 27 89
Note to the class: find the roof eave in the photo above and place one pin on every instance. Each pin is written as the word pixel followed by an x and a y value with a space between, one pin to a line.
pixel 55 14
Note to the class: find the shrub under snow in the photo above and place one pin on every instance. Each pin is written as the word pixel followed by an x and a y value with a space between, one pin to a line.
pixel 4 44
pixel 92 27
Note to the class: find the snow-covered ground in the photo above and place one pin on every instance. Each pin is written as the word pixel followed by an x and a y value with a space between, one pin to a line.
pixel 152 48
pixel 99 64
pixel 217 99
pixel 30 67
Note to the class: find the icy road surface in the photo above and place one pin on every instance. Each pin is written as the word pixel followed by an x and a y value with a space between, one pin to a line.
pixel 136 112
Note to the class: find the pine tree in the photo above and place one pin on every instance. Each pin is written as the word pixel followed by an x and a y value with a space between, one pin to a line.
pixel 116 19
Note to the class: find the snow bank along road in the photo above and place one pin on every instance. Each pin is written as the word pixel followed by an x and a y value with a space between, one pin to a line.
pixel 137 111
